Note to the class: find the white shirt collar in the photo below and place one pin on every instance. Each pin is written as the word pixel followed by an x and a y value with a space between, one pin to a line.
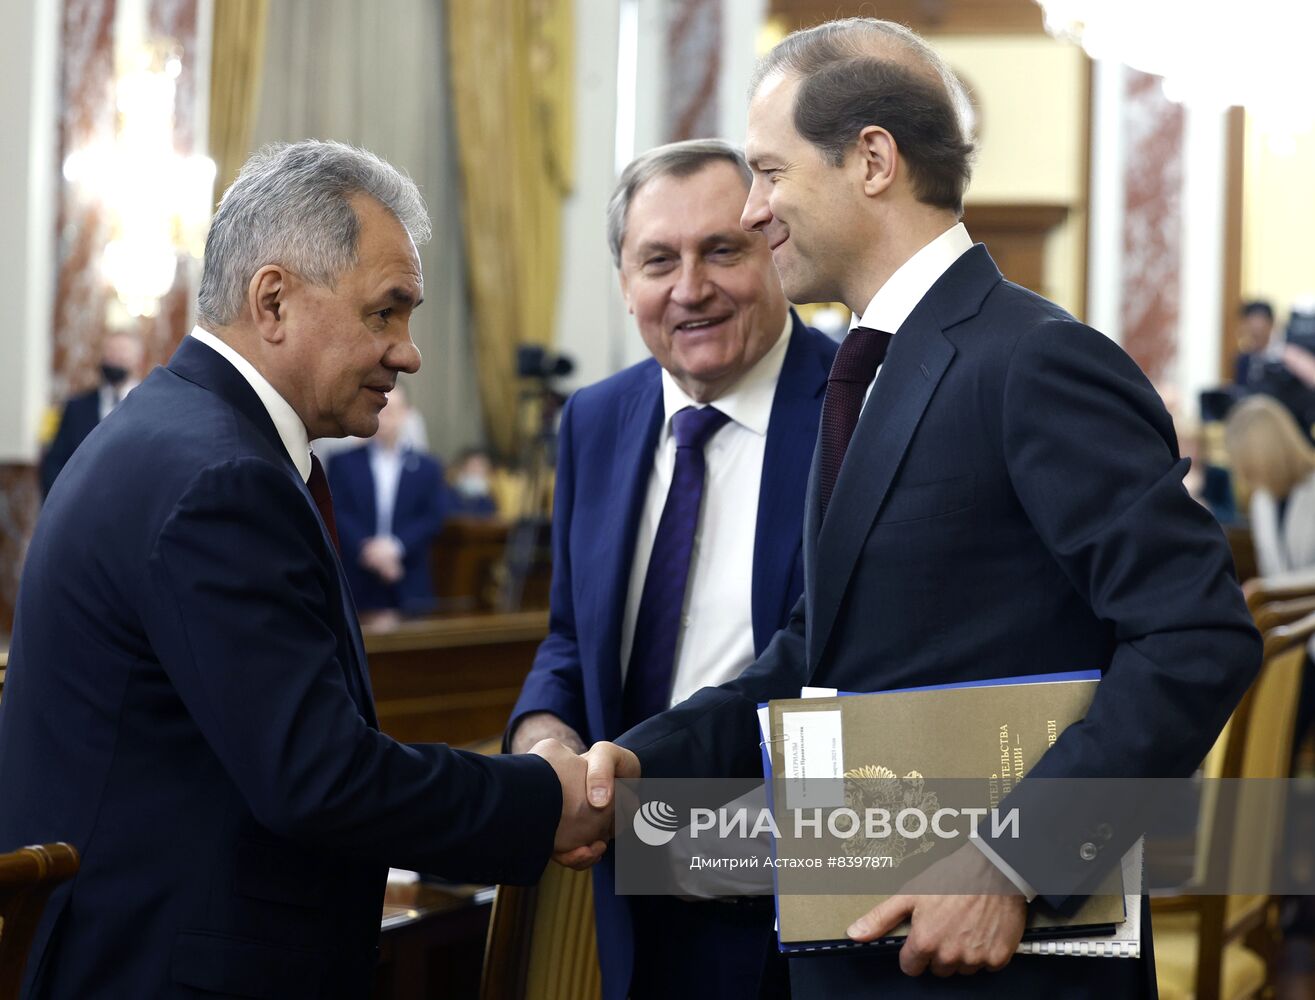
pixel 112 395
pixel 904 289
pixel 292 432
pixel 749 401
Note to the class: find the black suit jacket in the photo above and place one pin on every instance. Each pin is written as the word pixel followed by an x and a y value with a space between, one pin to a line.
pixel 188 704
pixel 1011 503
pixel 80 417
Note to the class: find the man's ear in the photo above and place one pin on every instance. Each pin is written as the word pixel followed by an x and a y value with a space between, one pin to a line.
pixel 879 155
pixel 265 297
pixel 625 290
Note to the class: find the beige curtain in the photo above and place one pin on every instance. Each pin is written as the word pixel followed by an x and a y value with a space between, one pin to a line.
pixel 512 90
pixel 237 56
pixel 375 75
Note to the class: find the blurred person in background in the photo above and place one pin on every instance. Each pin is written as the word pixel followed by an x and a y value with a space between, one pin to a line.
pixel 1276 461
pixel 1271 455
pixel 120 371
pixel 1255 330
pixel 390 502
pixel 472 484
pixel 1279 366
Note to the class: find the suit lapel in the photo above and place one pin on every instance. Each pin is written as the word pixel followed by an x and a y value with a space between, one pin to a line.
pixel 812 527
pixel 358 673
pixel 197 363
pixel 919 355
pixel 636 439
pixel 406 484
pixel 791 434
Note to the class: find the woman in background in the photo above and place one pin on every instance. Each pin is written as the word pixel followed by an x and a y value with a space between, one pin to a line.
pixel 1273 457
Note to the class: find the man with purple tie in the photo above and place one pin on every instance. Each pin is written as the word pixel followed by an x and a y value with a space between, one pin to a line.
pixel 676 550
pixel 997 489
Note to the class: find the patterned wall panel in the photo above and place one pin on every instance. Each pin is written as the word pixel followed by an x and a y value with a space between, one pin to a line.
pixel 693 67
pixel 1152 224
pixel 87 119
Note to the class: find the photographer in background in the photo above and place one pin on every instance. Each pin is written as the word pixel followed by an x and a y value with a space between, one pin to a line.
pixel 1255 330
pixel 1281 368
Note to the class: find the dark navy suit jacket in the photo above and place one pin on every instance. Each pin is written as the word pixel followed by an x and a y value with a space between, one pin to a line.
pixel 608 435
pixel 188 704
pixel 80 417
pixel 418 514
pixel 1011 503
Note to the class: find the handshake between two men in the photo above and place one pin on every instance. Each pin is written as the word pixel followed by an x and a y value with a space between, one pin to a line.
pixel 588 798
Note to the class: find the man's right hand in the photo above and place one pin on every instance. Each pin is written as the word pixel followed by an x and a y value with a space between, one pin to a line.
pixel 587 798
pixel 537 726
pixel 583 830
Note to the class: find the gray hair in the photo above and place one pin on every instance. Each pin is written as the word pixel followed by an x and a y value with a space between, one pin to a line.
pixel 291 205
pixel 850 79
pixel 675 159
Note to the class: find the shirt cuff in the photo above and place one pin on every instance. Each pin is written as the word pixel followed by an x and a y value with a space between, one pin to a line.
pixel 1007 870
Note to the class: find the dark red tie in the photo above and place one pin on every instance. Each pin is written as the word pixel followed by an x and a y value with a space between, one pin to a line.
pixel 852 372
pixel 318 484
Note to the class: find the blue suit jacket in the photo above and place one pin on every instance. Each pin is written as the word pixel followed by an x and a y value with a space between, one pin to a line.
pixel 1011 503
pixel 188 704
pixel 80 417
pixel 608 435
pixel 418 514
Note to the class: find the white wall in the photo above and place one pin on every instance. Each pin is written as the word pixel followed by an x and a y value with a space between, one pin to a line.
pixel 28 119
pixel 1200 310
pixel 1032 94
pixel 1105 245
pixel 1278 232
pixel 589 311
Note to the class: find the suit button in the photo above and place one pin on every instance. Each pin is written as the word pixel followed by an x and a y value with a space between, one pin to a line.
pixel 1104 831
pixel 1088 851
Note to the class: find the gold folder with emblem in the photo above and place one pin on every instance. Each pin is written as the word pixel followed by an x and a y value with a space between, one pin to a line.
pixel 871 790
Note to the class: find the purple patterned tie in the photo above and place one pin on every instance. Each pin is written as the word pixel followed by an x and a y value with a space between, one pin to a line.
pixel 653 652
pixel 852 372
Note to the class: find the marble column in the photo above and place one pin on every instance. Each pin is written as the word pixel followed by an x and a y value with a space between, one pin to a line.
pixel 1152 225
pixel 693 62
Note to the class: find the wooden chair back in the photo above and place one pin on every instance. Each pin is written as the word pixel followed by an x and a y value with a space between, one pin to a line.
pixel 1261 590
pixel 541 943
pixel 1283 612
pixel 1255 743
pixel 27 877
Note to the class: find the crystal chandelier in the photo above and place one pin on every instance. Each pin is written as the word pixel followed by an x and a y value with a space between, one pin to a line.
pixel 1209 53
pixel 157 200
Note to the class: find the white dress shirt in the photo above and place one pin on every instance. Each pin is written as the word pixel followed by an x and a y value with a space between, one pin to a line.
pixel 111 396
pixel 904 289
pixel 291 431
pixel 716 636
pixel 386 470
